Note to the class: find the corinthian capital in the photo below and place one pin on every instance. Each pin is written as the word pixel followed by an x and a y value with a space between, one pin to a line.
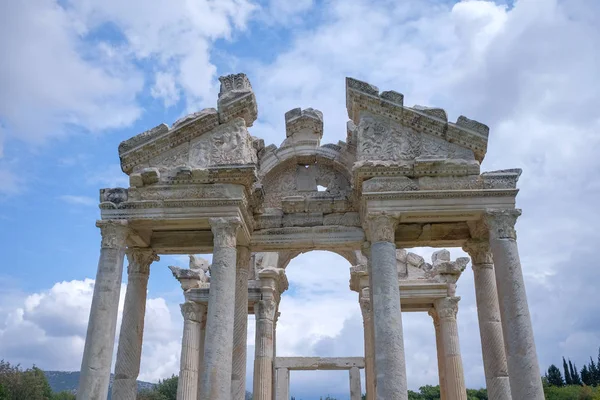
pixel 365 303
pixel 114 233
pixel 225 231
pixel 192 311
pixel 479 251
pixel 501 223
pixel 382 227
pixel 447 307
pixel 265 309
pixel 139 259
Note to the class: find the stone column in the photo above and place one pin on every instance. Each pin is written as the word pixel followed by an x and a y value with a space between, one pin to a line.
pixel 390 363
pixel 365 307
pixel 274 376
pixel 129 353
pixel 218 346
pixel 283 384
pixel 521 356
pixel 446 310
pixel 490 325
pixel 240 325
pixel 102 324
pixel 201 350
pixel 355 390
pixel 187 387
pixel 439 343
pixel 264 314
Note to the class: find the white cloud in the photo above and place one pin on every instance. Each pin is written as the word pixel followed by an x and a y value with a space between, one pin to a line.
pixel 165 88
pixel 48 329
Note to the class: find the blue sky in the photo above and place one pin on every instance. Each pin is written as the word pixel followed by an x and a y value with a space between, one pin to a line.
pixel 78 77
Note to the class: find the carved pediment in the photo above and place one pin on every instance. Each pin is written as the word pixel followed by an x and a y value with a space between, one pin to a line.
pixel 364 100
pixel 205 139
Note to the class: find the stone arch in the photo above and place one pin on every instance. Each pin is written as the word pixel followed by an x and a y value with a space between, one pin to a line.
pixel 354 257
pixel 300 174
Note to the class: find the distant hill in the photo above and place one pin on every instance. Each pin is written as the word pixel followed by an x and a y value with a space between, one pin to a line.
pixel 63 380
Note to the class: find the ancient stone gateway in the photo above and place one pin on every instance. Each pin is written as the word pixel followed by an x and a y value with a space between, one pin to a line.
pixel 404 177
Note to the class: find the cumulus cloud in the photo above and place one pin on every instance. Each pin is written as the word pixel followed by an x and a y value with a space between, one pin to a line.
pixel 76 64
pixel 48 329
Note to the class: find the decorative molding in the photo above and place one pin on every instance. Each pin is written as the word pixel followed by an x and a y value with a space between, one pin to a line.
pixel 114 233
pixel 501 223
pixel 139 259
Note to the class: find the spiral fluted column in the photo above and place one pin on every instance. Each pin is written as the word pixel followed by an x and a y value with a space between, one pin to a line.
pixel 240 325
pixel 129 353
pixel 367 314
pixel 102 325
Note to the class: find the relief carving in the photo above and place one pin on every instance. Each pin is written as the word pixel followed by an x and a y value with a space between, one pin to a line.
pixel 139 259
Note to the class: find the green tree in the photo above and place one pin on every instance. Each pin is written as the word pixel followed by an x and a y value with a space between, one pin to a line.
pixel 568 380
pixel 554 376
pixel 586 378
pixel 64 395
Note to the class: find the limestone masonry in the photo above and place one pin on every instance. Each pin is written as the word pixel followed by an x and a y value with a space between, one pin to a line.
pixel 404 177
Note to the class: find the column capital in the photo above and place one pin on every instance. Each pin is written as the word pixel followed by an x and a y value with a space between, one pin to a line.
pixel 266 309
pixel 114 233
pixel 243 257
pixel 382 227
pixel 479 251
pixel 140 259
pixel 447 307
pixel 225 230
pixel 365 249
pixel 192 311
pixel 501 223
pixel 435 316
pixel 365 303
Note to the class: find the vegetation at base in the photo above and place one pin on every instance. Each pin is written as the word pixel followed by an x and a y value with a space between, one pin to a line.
pixel 164 390
pixel 30 384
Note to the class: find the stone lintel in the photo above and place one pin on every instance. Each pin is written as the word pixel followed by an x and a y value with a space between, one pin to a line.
pixel 308 238
pixel 319 363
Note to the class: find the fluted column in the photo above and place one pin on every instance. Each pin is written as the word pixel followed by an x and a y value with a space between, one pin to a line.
pixel 264 313
pixel 102 324
pixel 439 343
pixel 187 386
pixel 387 314
pixel 446 310
pixel 490 325
pixel 240 325
pixel 366 309
pixel 521 356
pixel 218 346
pixel 129 353
pixel 201 350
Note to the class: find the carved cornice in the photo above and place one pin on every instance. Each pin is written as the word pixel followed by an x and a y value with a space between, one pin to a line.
pixel 225 231
pixel 193 311
pixel 479 251
pixel 140 259
pixel 114 233
pixel 381 227
pixel 439 194
pixel 447 308
pixel 501 223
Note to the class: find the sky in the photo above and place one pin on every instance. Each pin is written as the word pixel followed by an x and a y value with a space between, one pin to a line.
pixel 79 77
